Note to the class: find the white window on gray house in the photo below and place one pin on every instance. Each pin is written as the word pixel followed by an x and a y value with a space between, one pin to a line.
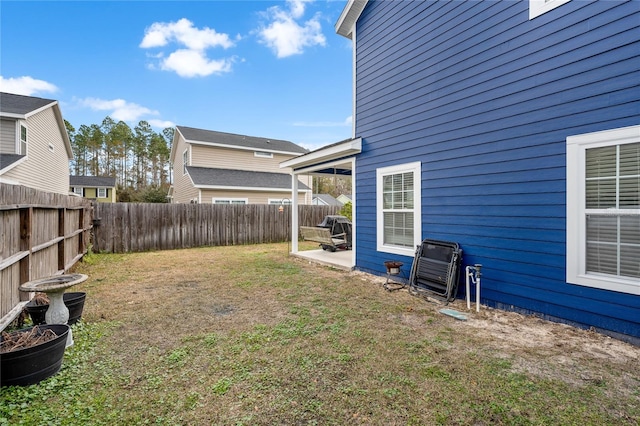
pixel 23 139
pixel 185 161
pixel 603 209
pixel 230 201
pixel 102 192
pixel 263 154
pixel 538 7
pixel 398 208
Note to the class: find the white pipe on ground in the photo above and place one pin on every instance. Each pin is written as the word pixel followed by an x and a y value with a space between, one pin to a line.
pixel 472 275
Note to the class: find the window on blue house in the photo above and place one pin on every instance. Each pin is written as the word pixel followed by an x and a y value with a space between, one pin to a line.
pixel 538 7
pixel 398 208
pixel 603 209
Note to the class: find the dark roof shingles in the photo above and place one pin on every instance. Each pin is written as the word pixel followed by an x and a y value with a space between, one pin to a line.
pixel 92 181
pixel 240 178
pixel 257 143
pixel 18 104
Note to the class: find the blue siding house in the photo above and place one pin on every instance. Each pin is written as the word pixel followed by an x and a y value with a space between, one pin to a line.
pixel 513 129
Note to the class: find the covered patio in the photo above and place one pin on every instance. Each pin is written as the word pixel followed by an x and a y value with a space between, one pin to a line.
pixel 337 159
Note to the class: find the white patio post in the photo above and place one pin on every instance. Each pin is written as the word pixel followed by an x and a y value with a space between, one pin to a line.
pixel 294 213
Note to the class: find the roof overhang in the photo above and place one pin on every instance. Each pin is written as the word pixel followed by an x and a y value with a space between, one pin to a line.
pixel 322 155
pixel 247 188
pixel 350 14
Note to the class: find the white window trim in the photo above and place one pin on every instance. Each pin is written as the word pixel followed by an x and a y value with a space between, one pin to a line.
pixel 576 220
pixel 245 200
pixel 77 190
pixel 185 161
pixel 263 154
pixel 103 191
pixel 540 7
pixel 416 168
pixel 280 201
pixel 20 125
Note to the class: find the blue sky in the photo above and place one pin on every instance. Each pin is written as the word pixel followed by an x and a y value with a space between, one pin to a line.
pixel 273 69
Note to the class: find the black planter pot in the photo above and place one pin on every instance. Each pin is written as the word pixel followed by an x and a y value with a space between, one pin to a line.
pixel 74 301
pixel 31 365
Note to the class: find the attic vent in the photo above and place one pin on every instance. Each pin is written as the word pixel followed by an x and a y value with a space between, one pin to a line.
pixel 263 154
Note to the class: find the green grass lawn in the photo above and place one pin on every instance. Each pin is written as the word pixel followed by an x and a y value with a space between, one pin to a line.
pixel 245 335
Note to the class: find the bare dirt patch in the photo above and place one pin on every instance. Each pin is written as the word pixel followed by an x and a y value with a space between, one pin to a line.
pixel 248 335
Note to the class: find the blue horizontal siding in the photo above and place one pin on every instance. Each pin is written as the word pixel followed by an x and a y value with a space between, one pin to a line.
pixel 485 99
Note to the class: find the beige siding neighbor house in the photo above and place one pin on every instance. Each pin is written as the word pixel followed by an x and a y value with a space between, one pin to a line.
pixel 224 168
pixel 34 146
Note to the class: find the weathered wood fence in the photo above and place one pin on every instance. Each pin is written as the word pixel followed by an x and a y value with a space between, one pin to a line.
pixel 41 235
pixel 123 227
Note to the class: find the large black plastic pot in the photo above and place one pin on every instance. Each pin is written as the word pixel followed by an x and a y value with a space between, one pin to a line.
pixel 27 366
pixel 74 301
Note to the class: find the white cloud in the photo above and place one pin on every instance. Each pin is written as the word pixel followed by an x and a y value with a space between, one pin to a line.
pixel 183 32
pixel 26 85
pixel 193 63
pixel 346 122
pixel 285 35
pixel 192 60
pixel 119 108
pixel 161 124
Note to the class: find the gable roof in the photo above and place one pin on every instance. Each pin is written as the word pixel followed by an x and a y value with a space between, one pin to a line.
pixel 211 137
pixel 328 199
pixel 350 14
pixel 93 181
pixel 21 107
pixel 234 179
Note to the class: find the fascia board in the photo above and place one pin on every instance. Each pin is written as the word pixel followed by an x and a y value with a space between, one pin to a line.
pixel 349 16
pixel 243 148
pixel 334 152
pixel 247 188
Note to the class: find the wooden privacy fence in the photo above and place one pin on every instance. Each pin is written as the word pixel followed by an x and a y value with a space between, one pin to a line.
pixel 123 227
pixel 41 235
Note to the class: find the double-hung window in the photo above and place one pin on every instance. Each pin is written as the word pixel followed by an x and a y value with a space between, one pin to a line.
pixel 398 208
pixel 603 209
pixel 102 192
pixel 185 161
pixel 23 139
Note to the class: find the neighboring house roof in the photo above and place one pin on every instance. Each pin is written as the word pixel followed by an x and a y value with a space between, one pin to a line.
pixel 327 199
pixel 93 181
pixel 226 178
pixel 8 159
pixel 21 107
pixel 210 137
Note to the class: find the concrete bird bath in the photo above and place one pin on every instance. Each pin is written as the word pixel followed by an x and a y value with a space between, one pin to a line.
pixel 54 287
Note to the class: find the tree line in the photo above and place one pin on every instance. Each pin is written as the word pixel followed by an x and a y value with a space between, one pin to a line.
pixel 138 158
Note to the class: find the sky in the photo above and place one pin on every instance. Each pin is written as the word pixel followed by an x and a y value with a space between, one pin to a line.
pixel 273 69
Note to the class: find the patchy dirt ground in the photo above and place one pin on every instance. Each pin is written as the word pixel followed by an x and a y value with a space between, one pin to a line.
pixel 241 294
pixel 540 347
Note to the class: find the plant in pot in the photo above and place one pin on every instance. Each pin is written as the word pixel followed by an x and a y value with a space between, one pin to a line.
pixel 33 354
pixel 74 301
